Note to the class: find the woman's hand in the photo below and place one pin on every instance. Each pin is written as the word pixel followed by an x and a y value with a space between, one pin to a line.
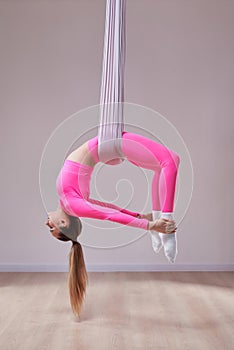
pixel 163 225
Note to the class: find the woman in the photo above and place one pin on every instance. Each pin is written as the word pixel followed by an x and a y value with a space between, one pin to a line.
pixel 73 187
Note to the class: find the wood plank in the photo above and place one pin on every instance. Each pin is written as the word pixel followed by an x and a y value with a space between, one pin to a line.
pixel 122 310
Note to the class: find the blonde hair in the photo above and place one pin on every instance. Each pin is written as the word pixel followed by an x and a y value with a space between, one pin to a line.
pixel 77 275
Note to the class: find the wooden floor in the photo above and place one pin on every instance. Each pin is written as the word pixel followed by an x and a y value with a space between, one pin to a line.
pixel 122 310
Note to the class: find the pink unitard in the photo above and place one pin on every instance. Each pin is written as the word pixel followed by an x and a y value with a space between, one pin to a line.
pixel 73 181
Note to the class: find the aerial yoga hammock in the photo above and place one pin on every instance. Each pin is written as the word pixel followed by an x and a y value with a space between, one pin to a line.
pixel 112 146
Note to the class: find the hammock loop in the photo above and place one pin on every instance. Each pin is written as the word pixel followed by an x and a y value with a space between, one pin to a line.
pixel 111 119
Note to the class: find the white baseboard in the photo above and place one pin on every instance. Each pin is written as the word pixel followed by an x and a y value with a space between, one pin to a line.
pixel 114 268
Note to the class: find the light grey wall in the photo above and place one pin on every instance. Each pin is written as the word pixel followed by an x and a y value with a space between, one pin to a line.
pixel 179 62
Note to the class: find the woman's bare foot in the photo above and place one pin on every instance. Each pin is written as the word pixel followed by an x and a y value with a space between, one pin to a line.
pixel 162 225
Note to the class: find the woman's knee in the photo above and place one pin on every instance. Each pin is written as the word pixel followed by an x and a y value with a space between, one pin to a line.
pixel 172 161
pixel 176 158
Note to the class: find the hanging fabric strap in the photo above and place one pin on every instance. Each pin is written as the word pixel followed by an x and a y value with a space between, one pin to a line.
pixel 111 122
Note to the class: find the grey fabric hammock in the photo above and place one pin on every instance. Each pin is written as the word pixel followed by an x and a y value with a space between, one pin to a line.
pixel 111 120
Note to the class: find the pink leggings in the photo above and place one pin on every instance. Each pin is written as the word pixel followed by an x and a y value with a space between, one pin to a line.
pixel 152 155
pixel 73 181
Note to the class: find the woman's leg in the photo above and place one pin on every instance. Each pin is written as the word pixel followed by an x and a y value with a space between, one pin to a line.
pixel 156 208
pixel 149 154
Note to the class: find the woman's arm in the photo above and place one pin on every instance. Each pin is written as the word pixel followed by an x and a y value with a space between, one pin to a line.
pixel 110 205
pixel 98 210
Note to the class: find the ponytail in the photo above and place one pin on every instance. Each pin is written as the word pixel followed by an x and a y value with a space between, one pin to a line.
pixel 77 278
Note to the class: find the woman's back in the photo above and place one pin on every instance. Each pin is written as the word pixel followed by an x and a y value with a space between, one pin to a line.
pixel 83 155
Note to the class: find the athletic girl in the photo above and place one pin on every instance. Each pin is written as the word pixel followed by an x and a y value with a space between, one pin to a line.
pixel 73 187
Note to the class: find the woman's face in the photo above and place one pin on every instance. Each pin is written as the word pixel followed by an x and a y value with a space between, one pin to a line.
pixel 53 229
